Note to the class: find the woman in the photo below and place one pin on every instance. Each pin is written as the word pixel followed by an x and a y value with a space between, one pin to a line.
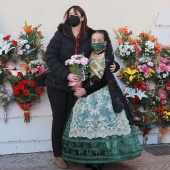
pixel 100 128
pixel 72 37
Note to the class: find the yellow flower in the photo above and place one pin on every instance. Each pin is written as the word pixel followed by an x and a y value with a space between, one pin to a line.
pixel 131 72
pixel 151 72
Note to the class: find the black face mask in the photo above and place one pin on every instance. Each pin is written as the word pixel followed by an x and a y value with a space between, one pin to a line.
pixel 74 20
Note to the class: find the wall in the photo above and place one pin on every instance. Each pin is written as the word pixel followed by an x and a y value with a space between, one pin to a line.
pixel 139 15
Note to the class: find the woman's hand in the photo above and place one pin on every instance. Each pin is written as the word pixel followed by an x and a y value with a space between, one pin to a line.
pixel 80 92
pixel 113 67
pixel 73 77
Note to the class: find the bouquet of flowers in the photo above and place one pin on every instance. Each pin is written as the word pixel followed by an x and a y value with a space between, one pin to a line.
pixel 37 68
pixel 128 47
pixel 78 64
pixel 5 98
pixel 149 45
pixel 30 43
pixel 145 121
pixel 162 71
pixel 7 48
pixel 26 92
pixel 129 75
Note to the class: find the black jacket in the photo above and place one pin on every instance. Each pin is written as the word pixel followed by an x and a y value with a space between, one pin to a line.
pixel 61 48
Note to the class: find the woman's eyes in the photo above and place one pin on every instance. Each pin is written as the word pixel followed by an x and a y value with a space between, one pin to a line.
pixel 73 14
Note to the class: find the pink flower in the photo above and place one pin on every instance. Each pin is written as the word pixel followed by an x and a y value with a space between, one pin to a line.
pixel 43 48
pixel 41 69
pixel 143 68
pixel 84 61
pixel 34 70
pixel 164 60
pixel 163 96
pixel 150 64
pixel 77 61
pixel 136 118
pixel 20 52
pixel 163 101
pixel 74 56
pixel 164 67
pixel 168 87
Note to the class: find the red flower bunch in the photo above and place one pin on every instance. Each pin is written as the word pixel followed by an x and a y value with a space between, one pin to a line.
pixel 8 48
pixel 27 90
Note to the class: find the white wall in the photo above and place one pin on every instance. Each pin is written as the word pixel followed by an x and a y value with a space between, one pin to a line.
pixel 139 15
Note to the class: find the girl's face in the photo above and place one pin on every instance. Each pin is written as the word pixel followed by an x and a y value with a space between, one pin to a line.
pixel 97 42
pixel 98 37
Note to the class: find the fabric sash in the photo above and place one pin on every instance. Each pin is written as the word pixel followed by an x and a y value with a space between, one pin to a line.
pixel 96 67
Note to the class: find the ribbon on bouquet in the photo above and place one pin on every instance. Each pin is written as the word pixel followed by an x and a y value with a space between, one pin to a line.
pixel 164 132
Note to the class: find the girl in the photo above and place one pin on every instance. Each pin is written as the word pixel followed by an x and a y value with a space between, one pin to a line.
pixel 100 128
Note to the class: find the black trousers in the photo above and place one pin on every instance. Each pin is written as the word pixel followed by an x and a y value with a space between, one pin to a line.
pixel 62 103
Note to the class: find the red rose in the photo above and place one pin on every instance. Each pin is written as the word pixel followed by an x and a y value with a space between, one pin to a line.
pixel 9 73
pixel 39 91
pixel 6 38
pixel 16 92
pixel 20 74
pixel 32 83
pixel 26 92
pixel 24 82
pixel 21 87
pixel 14 42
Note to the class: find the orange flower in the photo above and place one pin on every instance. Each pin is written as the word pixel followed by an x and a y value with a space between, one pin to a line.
pixel 27 29
pixel 158 47
pixel 133 41
pixel 120 41
pixel 151 37
pixel 123 30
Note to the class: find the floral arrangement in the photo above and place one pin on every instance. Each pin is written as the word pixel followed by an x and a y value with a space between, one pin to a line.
pixel 7 49
pixel 25 91
pixel 147 80
pixel 5 99
pixel 128 47
pixel 78 64
pixel 37 68
pixel 30 43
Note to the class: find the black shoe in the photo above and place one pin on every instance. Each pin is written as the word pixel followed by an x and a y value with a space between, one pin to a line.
pixel 97 166
pixel 89 165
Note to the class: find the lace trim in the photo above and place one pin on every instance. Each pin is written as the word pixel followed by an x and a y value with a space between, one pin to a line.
pixel 94 117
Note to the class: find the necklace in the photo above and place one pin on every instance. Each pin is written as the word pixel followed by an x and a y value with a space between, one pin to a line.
pixel 99 52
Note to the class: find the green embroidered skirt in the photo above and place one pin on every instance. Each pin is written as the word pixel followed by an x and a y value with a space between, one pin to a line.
pixel 100 150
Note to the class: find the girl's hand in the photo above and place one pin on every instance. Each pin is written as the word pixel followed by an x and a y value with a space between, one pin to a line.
pixel 113 67
pixel 80 92
pixel 73 77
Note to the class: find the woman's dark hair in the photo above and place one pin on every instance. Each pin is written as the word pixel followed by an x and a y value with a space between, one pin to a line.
pixel 83 14
pixel 109 54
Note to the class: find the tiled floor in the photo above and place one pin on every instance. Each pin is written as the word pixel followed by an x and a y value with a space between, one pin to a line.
pixel 42 161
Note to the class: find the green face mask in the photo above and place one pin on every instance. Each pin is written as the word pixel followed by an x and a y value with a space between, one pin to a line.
pixel 97 46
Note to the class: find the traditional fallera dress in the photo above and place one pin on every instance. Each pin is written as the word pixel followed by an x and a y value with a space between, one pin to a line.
pixel 94 133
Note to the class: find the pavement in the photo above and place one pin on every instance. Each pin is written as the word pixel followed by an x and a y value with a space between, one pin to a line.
pixel 43 161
